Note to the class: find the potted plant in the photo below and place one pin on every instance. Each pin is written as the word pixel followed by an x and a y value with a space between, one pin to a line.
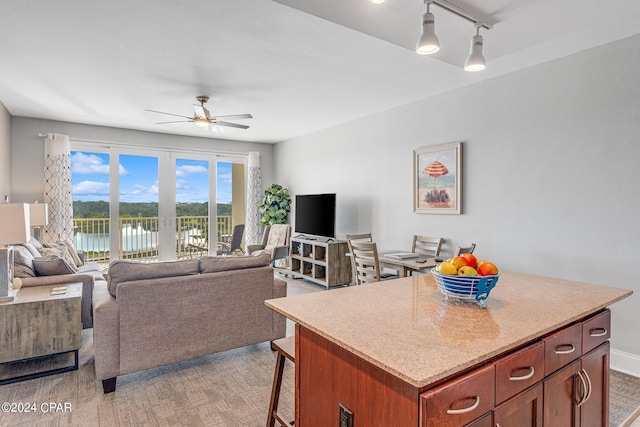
pixel 275 205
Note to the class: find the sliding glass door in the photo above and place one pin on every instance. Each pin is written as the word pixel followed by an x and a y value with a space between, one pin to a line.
pixel 138 204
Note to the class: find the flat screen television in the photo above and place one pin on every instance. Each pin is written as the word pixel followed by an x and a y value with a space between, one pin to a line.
pixel 316 215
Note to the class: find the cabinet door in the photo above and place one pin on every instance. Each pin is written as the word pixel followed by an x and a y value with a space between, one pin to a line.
pixel 595 409
pixel 523 410
pixel 560 397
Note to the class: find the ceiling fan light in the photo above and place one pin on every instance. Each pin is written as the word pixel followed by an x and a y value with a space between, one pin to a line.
pixel 201 121
pixel 428 42
pixel 475 61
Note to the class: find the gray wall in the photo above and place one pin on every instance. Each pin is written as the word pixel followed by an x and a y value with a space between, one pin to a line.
pixel 5 153
pixel 551 175
pixel 28 149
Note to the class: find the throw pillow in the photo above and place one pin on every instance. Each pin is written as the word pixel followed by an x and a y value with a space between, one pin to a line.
pixel 124 271
pixel 34 251
pixel 35 243
pixel 72 251
pixel 22 262
pixel 60 252
pixel 51 265
pixel 213 264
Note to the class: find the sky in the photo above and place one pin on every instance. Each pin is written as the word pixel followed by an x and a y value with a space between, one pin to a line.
pixel 139 178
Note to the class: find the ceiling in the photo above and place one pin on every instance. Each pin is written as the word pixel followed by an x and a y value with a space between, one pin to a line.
pixel 297 66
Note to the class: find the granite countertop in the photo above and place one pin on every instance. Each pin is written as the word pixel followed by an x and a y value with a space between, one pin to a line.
pixel 408 328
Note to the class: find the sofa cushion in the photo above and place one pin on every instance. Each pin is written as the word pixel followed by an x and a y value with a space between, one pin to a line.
pixel 23 262
pixel 214 264
pixel 124 271
pixel 52 265
pixel 59 251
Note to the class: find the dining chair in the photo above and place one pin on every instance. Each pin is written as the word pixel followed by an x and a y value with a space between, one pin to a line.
pixel 365 258
pixel 465 250
pixel 366 238
pixel 427 245
pixel 236 241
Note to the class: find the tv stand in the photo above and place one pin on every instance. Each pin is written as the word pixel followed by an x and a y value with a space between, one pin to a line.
pixel 325 263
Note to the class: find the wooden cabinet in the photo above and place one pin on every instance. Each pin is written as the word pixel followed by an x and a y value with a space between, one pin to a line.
pixel 549 382
pixel 325 263
pixel 523 410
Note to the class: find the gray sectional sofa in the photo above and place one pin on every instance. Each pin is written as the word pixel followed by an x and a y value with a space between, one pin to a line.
pixel 153 314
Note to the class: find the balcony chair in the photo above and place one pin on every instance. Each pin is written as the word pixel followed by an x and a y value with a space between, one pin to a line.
pixel 365 237
pixel 229 248
pixel 465 250
pixel 367 265
pixel 275 242
pixel 427 245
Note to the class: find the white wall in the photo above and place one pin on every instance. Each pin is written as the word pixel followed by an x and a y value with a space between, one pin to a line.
pixel 28 149
pixel 551 185
pixel 5 153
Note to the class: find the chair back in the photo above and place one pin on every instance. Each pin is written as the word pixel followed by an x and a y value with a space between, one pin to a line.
pixel 427 245
pixel 236 238
pixel 279 235
pixel 365 257
pixel 465 250
pixel 365 237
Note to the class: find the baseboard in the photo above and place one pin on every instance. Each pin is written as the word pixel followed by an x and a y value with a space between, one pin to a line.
pixel 625 362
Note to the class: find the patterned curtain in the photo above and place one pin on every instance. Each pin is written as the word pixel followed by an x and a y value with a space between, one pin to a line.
pixel 57 189
pixel 253 228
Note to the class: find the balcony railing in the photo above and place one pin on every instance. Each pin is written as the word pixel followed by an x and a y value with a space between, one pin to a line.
pixel 139 237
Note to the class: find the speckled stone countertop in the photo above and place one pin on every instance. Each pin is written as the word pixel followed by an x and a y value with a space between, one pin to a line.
pixel 408 328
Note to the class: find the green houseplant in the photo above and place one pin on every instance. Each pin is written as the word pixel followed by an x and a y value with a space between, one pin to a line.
pixel 275 205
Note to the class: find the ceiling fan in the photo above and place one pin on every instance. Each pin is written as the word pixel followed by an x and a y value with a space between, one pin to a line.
pixel 202 117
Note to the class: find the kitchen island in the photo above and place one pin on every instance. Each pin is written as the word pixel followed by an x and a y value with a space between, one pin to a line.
pixel 390 352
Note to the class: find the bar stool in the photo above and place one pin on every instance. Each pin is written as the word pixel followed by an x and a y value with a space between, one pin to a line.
pixel 286 348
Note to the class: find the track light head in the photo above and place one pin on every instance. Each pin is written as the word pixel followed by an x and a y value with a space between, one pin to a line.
pixel 428 42
pixel 476 61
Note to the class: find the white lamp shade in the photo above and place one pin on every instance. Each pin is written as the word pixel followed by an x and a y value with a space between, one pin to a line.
pixel 476 61
pixel 39 214
pixel 428 42
pixel 14 223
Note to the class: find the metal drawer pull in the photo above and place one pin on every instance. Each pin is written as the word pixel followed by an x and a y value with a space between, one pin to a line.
pixel 596 333
pixel 589 384
pixel 571 349
pixel 582 399
pixel 464 410
pixel 524 377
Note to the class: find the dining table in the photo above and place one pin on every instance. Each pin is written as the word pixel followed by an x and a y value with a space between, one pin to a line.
pixel 404 266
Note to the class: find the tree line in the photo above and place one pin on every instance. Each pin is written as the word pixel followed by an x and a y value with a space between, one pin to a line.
pixel 100 209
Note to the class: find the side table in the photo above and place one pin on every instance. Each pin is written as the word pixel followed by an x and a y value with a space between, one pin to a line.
pixel 40 322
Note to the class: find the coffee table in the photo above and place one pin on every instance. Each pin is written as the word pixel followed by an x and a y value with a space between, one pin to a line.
pixel 41 322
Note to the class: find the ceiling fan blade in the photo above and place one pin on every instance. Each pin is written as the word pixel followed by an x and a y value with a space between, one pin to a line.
pixel 235 117
pixel 231 125
pixel 170 114
pixel 178 121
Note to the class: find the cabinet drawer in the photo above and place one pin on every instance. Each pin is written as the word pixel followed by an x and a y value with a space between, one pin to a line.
pixel 562 348
pixel 460 401
pixel 595 331
pixel 518 371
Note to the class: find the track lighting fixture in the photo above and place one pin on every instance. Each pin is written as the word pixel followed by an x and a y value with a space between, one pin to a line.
pixel 475 61
pixel 428 42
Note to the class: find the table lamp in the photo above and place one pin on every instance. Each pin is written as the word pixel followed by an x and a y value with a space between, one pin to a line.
pixel 14 229
pixel 39 216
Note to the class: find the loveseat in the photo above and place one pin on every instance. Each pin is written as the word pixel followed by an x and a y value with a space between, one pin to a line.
pixel 58 264
pixel 153 314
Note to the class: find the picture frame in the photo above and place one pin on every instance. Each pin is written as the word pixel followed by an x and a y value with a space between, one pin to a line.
pixel 437 179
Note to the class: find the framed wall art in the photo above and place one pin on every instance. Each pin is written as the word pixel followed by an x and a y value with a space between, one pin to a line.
pixel 437 179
